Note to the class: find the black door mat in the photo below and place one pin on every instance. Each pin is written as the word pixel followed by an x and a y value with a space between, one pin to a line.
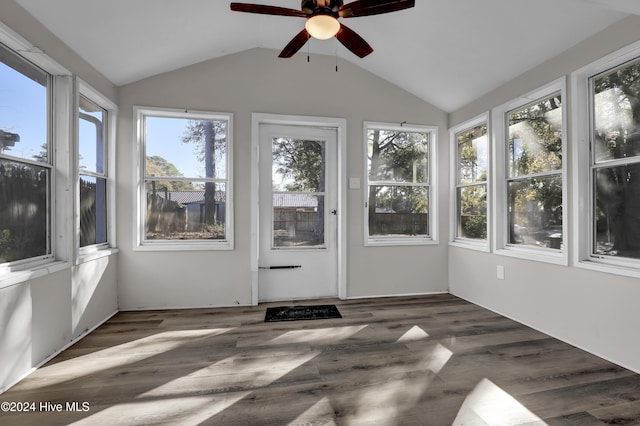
pixel 295 313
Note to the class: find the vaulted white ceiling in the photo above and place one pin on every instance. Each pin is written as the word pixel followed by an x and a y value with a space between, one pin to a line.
pixel 447 52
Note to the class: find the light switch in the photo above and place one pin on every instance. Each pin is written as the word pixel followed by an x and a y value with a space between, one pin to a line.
pixel 354 183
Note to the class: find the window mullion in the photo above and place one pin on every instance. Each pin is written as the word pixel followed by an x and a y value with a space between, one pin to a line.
pixel 64 202
pixel 184 179
pixel 534 175
pixel 47 165
pixel 616 162
pixel 395 183
pixel 467 185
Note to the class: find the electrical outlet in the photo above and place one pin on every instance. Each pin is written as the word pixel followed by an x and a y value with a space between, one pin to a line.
pixel 500 272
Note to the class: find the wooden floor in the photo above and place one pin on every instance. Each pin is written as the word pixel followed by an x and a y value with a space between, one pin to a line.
pixel 434 360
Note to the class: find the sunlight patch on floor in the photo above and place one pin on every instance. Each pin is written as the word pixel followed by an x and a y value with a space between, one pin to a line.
pixel 316 414
pixel 317 336
pixel 437 358
pixel 384 403
pixel 234 373
pixel 413 334
pixel 118 356
pixel 495 407
pixel 191 410
pixel 435 355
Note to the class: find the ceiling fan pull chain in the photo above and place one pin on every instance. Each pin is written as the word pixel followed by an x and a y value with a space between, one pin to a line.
pixel 336 44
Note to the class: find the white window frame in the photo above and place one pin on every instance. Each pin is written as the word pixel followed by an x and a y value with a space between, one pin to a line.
pixel 499 222
pixel 430 239
pixel 140 243
pixel 60 133
pixel 454 240
pixel 109 247
pixel 582 224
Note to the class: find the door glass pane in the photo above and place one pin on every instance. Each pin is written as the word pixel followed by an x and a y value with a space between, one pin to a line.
pixel 298 165
pixel 298 181
pixel 298 220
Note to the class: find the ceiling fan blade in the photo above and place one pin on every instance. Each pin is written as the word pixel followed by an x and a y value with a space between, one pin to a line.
pixel 266 10
pixel 373 7
pixel 295 44
pixel 353 41
pixel 321 3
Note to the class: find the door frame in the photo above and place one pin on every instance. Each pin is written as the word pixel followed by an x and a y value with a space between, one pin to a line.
pixel 340 125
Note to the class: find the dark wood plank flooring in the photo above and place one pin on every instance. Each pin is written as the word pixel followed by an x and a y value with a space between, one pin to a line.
pixel 434 360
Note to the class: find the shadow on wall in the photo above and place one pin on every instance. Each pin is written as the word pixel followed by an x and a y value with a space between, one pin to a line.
pixel 15 333
pixel 93 294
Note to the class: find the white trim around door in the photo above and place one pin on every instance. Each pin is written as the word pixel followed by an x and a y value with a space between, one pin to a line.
pixel 340 125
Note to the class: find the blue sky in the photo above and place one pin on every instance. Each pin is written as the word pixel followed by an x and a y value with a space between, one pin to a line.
pixel 23 111
pixel 164 138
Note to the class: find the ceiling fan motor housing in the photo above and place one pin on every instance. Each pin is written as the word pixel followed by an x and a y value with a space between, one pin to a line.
pixel 322 20
pixel 311 7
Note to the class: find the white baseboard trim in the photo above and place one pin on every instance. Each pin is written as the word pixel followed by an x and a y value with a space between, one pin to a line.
pixel 606 358
pixel 182 308
pixel 379 296
pixel 56 353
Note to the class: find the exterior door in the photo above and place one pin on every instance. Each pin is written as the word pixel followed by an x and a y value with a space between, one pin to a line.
pixel 297 217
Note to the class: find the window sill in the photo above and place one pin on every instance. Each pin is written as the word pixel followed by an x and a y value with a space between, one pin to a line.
pixel 540 255
pixel 190 246
pixel 10 279
pixel 471 245
pixel 608 268
pixel 89 255
pixel 382 242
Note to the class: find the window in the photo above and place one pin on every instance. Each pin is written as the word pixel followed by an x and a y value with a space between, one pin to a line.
pixel 615 162
pixel 534 177
pixel 606 147
pixel 399 204
pixel 185 192
pixel 470 156
pixel 25 162
pixel 92 140
pixel 530 176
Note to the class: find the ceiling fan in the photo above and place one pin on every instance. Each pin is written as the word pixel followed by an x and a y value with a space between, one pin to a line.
pixel 322 20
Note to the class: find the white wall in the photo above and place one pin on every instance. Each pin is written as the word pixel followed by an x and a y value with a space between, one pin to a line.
pixel 20 21
pixel 258 81
pixel 596 311
pixel 40 316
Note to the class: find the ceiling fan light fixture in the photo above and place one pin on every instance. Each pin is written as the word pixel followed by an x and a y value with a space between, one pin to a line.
pixel 322 26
